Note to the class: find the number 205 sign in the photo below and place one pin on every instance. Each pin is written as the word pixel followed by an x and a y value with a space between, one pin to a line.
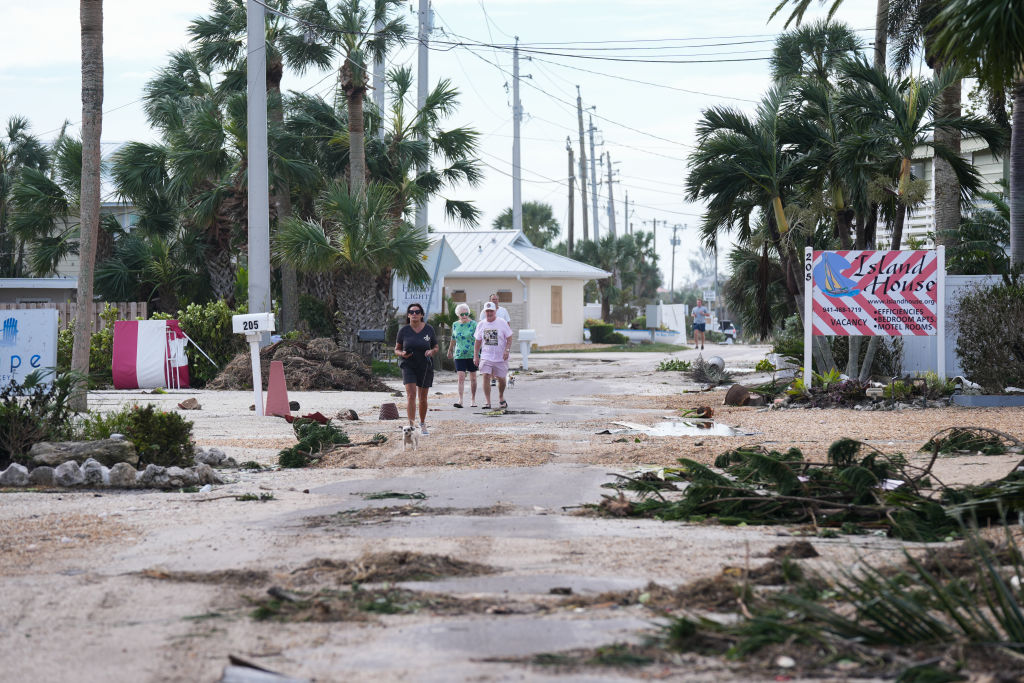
pixel 252 323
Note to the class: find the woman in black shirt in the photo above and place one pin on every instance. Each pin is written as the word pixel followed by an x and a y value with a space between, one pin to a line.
pixel 416 346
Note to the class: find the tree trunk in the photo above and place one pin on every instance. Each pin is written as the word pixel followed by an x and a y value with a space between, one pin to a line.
pixel 947 188
pixel 1017 178
pixel 354 95
pixel 869 358
pixel 91 17
pixel 897 228
pixel 853 356
pixel 361 305
pixel 881 33
pixel 222 275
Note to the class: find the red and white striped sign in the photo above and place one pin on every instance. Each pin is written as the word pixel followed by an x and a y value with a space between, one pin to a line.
pixel 894 293
pixel 148 354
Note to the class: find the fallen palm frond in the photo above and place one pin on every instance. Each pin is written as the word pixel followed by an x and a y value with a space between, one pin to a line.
pixel 926 615
pixel 859 489
pixel 973 440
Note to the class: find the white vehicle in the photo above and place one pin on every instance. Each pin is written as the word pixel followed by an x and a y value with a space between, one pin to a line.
pixel 726 327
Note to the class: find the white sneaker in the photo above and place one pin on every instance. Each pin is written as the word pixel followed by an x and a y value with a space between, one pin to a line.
pixel 423 429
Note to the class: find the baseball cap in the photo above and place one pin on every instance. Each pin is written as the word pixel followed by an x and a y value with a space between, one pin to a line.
pixel 489 306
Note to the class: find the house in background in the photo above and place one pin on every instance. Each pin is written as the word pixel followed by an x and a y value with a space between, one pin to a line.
pixel 542 291
pixel 38 290
pixel 126 212
pixel 921 222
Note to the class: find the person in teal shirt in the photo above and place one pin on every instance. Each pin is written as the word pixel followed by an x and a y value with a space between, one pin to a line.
pixel 461 351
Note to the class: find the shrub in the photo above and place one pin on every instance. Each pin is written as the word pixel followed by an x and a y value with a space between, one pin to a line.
pixel 990 335
pixel 616 338
pixel 789 342
pixel 160 438
pixel 101 349
pixel 674 365
pixel 209 326
pixel 384 369
pixel 34 411
pixel 599 332
pixel 639 323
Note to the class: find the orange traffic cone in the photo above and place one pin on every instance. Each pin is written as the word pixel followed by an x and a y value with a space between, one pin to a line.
pixel 277 392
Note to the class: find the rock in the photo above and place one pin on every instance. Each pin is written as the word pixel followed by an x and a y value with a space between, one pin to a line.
pixel 41 476
pixel 293 405
pixel 347 414
pixel 123 475
pixel 154 476
pixel 177 477
pixel 229 463
pixel 107 452
pixel 212 456
pixel 755 400
pixel 874 392
pixel 68 474
pixel 190 404
pixel 95 474
pixel 206 475
pixel 14 475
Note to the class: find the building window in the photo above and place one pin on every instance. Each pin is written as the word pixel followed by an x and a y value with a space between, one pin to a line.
pixel 459 296
pixel 505 296
pixel 917 169
pixel 32 300
pixel 556 304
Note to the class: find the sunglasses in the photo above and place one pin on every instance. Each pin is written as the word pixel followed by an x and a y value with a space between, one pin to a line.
pixel 463 315
pixel 415 312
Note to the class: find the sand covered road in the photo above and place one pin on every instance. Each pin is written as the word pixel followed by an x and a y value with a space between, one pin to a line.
pixel 153 586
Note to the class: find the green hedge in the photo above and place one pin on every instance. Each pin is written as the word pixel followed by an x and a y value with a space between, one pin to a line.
pixel 599 332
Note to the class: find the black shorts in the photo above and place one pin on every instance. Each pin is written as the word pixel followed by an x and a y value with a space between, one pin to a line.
pixel 699 327
pixel 420 373
pixel 465 365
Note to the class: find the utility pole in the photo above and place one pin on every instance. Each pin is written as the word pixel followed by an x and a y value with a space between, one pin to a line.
pixel 572 181
pixel 423 19
pixel 718 308
pixel 378 81
pixel 611 198
pixel 583 167
pixel 258 185
pixel 517 117
pixel 593 179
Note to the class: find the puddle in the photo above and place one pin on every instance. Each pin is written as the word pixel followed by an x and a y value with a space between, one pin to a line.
pixel 682 428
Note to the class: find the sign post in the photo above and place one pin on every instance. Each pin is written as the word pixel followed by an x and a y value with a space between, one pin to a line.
pixel 253 325
pixel 874 293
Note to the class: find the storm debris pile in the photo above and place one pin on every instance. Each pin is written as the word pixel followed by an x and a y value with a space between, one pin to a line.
pixel 316 365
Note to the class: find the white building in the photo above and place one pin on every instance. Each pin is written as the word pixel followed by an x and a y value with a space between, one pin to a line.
pixel 541 290
pixel 920 223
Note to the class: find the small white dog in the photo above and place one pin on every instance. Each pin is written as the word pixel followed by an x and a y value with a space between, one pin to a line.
pixel 410 438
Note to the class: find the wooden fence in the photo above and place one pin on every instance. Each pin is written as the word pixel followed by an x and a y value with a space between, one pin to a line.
pixel 126 310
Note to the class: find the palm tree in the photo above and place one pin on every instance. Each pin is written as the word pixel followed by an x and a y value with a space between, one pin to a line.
pixel 881 22
pixel 19 150
pixel 987 35
pixel 620 256
pixel 362 245
pixel 91 18
pixel 978 246
pixel 219 43
pixel 415 155
pixel 895 115
pixel 358 36
pixel 539 223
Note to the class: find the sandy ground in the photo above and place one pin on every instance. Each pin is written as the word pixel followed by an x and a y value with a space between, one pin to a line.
pixel 91 586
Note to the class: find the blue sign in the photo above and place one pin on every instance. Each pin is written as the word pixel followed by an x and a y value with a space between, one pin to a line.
pixel 28 342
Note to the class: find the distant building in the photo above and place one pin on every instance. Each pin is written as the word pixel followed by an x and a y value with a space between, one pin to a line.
pixel 38 290
pixel 920 223
pixel 542 291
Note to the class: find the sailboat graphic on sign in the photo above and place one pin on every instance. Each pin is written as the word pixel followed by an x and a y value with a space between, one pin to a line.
pixel 829 278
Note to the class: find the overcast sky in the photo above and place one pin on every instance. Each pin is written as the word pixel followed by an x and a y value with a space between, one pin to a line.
pixel 647 128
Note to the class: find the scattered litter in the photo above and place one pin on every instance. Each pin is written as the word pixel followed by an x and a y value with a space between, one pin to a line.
pixel 190 404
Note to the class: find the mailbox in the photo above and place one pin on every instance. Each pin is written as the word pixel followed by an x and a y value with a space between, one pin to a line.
pixel 526 337
pixel 252 323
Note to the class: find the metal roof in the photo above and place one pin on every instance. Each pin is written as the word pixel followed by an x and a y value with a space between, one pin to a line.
pixel 489 253
pixel 39 283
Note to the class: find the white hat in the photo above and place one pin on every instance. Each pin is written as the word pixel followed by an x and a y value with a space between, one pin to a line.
pixel 489 306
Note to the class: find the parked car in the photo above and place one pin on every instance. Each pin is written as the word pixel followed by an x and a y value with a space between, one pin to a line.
pixel 726 327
